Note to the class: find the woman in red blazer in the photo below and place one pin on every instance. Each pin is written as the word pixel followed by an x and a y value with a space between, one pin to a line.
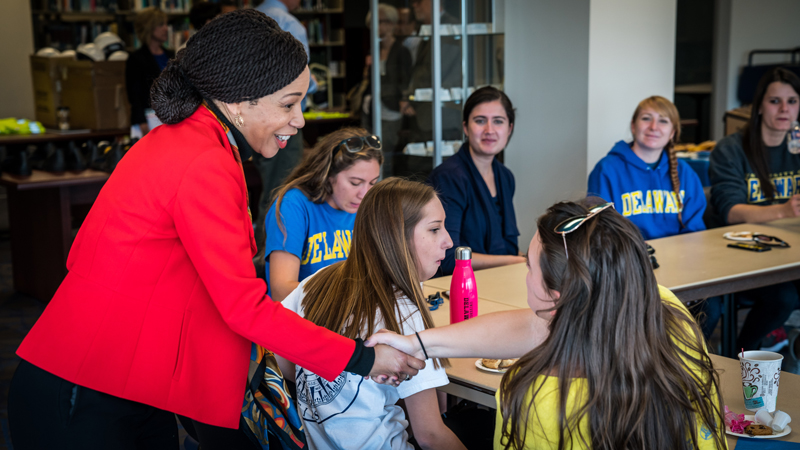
pixel 161 302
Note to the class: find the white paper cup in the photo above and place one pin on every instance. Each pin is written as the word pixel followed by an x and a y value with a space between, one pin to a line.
pixel 780 421
pixel 764 417
pixel 761 373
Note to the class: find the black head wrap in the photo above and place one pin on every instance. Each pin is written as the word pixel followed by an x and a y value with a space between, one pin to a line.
pixel 239 56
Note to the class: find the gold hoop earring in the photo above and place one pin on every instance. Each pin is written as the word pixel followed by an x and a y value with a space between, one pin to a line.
pixel 238 121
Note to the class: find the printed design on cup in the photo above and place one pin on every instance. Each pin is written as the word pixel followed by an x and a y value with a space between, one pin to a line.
pixel 750 391
pixel 751 378
pixel 750 374
pixel 760 380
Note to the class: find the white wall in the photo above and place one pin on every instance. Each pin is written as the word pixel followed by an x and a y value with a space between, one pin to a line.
pixel 575 70
pixel 16 36
pixel 631 57
pixel 749 25
pixel 546 61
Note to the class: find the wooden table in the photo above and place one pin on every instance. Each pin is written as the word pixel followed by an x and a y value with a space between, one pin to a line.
pixel 504 285
pixel 701 265
pixel 40 220
pixel 467 382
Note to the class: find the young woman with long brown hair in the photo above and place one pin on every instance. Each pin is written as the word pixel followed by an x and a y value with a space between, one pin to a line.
pixel 318 204
pixel 754 180
pixel 399 240
pixel 612 360
pixel 650 186
pixel 752 171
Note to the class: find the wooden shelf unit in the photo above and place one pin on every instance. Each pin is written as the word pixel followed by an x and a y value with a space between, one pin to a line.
pixel 324 22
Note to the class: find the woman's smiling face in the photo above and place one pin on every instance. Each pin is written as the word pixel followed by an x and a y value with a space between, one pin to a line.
pixel 274 118
pixel 488 128
pixel 652 130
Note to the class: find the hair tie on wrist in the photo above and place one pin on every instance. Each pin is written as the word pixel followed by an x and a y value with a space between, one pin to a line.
pixel 421 345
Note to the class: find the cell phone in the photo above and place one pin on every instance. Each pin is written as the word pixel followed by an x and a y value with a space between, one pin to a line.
pixel 751 247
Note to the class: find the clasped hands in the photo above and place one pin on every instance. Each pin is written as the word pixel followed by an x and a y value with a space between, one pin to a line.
pixel 397 357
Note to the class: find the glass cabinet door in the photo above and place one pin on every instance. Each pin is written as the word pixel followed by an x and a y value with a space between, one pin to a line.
pixel 428 65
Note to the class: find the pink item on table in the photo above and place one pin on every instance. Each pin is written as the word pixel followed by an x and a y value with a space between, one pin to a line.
pixel 735 422
pixel 463 289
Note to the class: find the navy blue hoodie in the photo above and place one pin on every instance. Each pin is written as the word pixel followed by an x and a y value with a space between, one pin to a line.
pixel 645 195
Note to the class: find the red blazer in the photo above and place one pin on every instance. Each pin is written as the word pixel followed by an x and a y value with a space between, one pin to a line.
pixel 161 301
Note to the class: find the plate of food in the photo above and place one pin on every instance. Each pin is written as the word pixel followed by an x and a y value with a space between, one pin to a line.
pixel 494 365
pixel 739 235
pixel 758 431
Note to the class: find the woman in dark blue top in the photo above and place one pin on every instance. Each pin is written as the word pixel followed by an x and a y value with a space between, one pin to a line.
pixel 476 189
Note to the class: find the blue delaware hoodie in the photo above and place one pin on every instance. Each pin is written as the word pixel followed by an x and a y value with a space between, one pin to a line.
pixel 645 195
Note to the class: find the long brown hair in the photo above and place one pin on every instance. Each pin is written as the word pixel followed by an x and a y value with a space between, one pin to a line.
pixel 648 376
pixel 752 141
pixel 666 108
pixel 346 297
pixel 314 173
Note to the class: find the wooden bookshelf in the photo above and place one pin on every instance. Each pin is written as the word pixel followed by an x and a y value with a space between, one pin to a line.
pixel 324 23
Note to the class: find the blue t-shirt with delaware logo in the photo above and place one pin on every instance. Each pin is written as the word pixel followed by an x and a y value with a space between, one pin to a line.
pixel 316 233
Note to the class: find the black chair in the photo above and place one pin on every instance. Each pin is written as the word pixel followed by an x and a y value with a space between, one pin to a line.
pixel 751 74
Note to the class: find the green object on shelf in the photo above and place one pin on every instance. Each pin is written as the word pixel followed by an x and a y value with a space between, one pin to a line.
pixel 20 126
pixel 311 115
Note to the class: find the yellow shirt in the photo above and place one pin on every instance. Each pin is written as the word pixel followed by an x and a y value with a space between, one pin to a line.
pixel 543 432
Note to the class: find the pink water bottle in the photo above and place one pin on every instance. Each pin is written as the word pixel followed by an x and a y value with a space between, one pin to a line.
pixel 463 289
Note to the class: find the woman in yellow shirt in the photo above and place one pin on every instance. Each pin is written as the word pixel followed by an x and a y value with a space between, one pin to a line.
pixel 611 359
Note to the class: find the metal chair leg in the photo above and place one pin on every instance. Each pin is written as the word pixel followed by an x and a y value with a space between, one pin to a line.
pixel 729 322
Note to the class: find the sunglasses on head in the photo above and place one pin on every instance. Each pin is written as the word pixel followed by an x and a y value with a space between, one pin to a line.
pixel 356 144
pixel 573 223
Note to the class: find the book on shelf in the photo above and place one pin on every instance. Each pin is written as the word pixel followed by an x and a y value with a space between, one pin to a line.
pixel 170 6
pixel 112 6
pixel 318 32
pixel 177 36
pixel 311 5
pixel 81 6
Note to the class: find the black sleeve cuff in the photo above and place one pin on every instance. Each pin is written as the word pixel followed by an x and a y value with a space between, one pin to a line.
pixel 362 360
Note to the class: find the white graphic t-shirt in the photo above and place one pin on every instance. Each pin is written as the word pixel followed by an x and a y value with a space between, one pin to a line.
pixel 352 412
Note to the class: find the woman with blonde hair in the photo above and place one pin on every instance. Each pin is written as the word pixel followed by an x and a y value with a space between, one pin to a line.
pixel 399 240
pixel 610 359
pixel 318 204
pixel 662 195
pixel 145 64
